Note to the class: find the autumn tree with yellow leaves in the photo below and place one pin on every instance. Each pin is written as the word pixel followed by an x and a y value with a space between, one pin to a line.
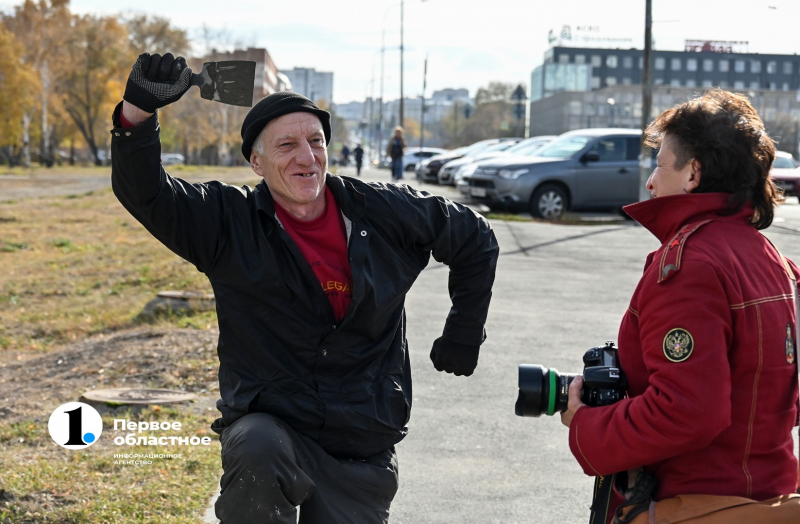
pixel 17 85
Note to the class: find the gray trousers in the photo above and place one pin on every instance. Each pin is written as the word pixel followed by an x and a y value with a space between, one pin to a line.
pixel 270 470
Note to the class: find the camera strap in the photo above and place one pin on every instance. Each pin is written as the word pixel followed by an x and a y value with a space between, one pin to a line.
pixel 601 499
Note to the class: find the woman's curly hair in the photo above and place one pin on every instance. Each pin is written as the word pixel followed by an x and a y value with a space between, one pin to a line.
pixel 724 133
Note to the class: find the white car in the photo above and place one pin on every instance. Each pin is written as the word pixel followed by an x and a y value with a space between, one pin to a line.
pixel 413 156
pixel 466 166
pixel 169 159
pixel 786 173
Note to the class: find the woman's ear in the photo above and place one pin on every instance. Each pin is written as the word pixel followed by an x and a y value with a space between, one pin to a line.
pixel 695 175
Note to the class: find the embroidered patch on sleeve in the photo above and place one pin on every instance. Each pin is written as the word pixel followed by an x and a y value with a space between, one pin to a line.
pixel 678 345
pixel 789 345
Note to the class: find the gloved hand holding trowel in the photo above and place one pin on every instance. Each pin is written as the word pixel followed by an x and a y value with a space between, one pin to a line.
pixel 156 81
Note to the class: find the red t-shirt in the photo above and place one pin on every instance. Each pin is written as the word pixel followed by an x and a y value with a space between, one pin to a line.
pixel 323 242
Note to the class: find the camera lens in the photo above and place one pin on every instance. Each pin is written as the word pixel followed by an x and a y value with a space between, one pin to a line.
pixel 542 391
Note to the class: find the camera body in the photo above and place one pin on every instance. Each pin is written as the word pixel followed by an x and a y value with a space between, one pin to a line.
pixel 546 391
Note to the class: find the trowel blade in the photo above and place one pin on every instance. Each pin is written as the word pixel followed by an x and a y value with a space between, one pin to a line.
pixel 229 82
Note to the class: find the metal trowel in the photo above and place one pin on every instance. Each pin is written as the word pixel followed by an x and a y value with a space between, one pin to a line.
pixel 230 82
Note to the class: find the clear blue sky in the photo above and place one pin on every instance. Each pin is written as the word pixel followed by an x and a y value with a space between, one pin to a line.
pixel 469 43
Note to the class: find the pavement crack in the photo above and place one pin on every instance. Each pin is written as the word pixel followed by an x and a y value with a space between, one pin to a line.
pixel 520 249
pixel 786 230
pixel 524 249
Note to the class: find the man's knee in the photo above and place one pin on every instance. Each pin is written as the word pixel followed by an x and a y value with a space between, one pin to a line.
pixel 256 439
pixel 261 468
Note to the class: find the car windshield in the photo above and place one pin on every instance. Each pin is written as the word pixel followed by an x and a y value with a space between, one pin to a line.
pixel 502 146
pixel 477 149
pixel 782 162
pixel 526 148
pixel 524 144
pixel 564 147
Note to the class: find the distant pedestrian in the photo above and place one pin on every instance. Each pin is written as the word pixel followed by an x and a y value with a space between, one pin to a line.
pixel 345 155
pixel 358 153
pixel 394 149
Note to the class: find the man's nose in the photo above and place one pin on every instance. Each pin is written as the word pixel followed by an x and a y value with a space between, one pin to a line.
pixel 650 181
pixel 305 155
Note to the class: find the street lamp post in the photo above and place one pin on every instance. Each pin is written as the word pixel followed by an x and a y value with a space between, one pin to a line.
pixel 402 5
pixel 422 109
pixel 647 100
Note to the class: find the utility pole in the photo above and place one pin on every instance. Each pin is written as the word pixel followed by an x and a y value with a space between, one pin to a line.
pixel 647 100
pixel 422 111
pixel 371 119
pixel 402 121
pixel 380 108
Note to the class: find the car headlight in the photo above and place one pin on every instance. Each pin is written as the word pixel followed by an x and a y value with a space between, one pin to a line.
pixel 512 174
pixel 465 171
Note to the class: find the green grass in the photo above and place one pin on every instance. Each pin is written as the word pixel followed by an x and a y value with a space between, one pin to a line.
pixel 52 484
pixel 80 169
pixel 78 266
pixel 508 217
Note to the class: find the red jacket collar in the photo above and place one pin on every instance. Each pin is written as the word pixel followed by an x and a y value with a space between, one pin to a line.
pixel 664 216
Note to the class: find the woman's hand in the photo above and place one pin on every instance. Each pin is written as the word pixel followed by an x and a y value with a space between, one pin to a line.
pixel 574 403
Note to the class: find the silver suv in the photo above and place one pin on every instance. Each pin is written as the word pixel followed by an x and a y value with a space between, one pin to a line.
pixel 582 169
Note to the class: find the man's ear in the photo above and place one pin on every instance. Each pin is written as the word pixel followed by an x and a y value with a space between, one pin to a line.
pixel 695 175
pixel 256 164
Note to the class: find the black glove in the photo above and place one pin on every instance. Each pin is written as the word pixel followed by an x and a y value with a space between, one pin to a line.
pixel 156 81
pixel 453 357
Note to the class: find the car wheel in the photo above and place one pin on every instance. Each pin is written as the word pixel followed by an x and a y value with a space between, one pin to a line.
pixel 549 202
pixel 411 167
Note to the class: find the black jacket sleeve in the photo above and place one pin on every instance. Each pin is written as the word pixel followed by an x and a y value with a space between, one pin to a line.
pixel 187 218
pixel 456 236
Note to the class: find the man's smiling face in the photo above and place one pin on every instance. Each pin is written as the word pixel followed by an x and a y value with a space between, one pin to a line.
pixel 294 161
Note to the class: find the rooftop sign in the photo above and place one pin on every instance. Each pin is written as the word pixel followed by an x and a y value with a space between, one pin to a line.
pixel 716 46
pixel 583 35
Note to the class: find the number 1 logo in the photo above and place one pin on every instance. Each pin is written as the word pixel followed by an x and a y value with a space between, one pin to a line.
pixel 75 425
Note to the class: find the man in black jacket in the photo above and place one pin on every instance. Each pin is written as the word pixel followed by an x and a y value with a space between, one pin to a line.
pixel 310 273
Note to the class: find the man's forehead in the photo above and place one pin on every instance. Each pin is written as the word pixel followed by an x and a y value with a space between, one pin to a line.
pixel 295 124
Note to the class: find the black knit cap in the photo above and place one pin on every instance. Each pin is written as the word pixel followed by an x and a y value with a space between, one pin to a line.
pixel 271 107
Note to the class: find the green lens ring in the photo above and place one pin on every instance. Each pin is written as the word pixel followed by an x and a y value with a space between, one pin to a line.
pixel 551 402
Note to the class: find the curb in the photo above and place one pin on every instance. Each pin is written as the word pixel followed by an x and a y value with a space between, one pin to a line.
pixel 210 516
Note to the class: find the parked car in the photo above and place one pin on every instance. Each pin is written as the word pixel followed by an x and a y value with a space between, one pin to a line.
pixel 448 170
pixel 423 166
pixel 786 174
pixel 582 169
pixel 169 159
pixel 431 173
pixel 414 155
pixel 525 147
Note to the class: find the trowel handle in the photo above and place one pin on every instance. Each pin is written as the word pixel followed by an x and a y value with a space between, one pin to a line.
pixel 197 80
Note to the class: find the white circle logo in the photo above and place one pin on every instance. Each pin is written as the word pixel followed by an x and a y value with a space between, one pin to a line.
pixel 75 425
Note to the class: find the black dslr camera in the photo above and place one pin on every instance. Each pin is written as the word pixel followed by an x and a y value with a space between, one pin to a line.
pixel 543 390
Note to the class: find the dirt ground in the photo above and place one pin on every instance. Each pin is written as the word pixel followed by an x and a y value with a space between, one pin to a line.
pixel 159 357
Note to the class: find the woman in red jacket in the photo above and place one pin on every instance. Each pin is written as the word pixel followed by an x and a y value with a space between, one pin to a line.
pixel 708 343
